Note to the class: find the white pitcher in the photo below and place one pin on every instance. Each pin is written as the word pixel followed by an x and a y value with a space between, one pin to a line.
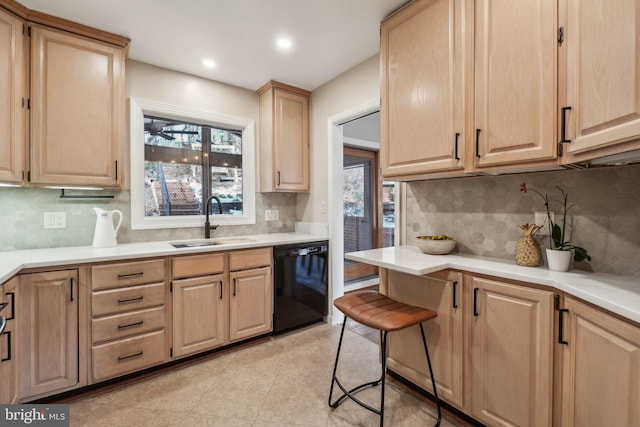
pixel 105 234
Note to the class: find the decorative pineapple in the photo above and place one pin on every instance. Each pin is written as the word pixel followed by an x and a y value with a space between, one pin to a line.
pixel 527 249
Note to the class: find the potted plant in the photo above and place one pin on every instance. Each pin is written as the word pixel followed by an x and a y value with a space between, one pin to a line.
pixel 560 249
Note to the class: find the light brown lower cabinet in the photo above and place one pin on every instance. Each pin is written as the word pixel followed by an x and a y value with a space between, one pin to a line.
pixel 8 355
pixel 250 304
pixel 84 325
pixel 600 368
pixel 210 310
pixel 128 318
pixel 442 293
pixel 47 314
pixel 200 299
pixel 491 345
pixel 251 299
pixel 510 353
pixel 198 314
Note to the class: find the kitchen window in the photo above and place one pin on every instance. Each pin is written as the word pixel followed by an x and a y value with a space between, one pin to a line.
pixel 180 157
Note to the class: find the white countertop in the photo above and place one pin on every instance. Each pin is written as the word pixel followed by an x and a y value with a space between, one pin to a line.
pixel 11 262
pixel 618 294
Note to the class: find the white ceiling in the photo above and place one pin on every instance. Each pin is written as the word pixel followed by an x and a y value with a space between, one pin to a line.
pixel 329 36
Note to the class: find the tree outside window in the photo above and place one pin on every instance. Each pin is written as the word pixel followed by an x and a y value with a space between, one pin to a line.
pixel 185 163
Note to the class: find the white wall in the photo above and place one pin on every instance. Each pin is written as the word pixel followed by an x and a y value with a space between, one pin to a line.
pixel 172 87
pixel 351 88
pixel 339 100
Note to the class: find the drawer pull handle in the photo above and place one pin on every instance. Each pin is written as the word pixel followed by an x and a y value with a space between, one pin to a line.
pixel 130 276
pixel 8 335
pixel 130 300
pixel 561 339
pixel 475 302
pixel 455 298
pixel 131 325
pixel 12 295
pixel 563 125
pixel 140 353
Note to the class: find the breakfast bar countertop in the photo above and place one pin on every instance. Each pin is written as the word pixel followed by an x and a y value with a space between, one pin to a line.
pixel 618 294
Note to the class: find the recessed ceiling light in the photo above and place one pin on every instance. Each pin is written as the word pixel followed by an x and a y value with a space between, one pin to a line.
pixel 284 43
pixel 208 63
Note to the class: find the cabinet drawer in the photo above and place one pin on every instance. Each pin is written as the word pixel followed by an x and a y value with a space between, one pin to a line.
pixel 125 325
pixel 198 265
pixel 127 299
pixel 127 355
pixel 126 274
pixel 241 260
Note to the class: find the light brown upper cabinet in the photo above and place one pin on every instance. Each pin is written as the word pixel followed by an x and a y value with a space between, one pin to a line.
pixel 284 138
pixel 12 108
pixel 603 78
pixel 468 86
pixel 76 110
pixel 515 83
pixel 423 88
pixel 61 98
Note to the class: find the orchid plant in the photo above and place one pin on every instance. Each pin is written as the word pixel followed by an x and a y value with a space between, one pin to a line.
pixel 557 233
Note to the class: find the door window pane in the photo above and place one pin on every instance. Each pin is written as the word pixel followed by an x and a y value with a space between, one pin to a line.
pixel 353 191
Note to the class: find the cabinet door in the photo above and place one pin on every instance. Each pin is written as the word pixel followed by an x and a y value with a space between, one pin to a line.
pixel 47 314
pixel 600 369
pixel 423 96
pixel 76 110
pixel 511 354
pixel 515 88
pixel 12 90
pixel 442 293
pixel 250 308
pixel 603 73
pixel 198 314
pixel 8 356
pixel 291 141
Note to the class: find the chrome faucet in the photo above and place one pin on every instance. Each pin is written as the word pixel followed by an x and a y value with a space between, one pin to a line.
pixel 207 226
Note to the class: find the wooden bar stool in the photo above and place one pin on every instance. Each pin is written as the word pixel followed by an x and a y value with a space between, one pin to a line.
pixel 384 314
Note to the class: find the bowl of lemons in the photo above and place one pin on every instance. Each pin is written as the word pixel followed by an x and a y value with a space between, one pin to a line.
pixel 435 245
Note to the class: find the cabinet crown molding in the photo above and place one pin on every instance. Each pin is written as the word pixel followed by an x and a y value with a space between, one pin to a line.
pixel 63 24
pixel 272 84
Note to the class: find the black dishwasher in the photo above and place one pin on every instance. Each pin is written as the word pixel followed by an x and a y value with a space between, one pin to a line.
pixel 300 282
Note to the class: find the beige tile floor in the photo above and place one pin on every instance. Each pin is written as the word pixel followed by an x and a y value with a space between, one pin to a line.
pixel 281 381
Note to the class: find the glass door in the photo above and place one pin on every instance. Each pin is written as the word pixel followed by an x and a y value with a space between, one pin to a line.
pixel 360 213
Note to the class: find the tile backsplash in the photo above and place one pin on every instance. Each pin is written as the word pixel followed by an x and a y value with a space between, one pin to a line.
pixel 482 213
pixel 22 219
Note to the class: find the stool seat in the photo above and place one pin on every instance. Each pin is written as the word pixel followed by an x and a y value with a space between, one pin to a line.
pixel 381 312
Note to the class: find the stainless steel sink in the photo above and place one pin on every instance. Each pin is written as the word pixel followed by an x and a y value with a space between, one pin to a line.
pixel 196 243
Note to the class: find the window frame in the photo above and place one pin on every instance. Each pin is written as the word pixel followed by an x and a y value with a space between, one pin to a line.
pixel 137 109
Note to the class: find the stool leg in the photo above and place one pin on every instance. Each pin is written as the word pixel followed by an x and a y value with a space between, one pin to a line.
pixel 335 366
pixel 433 381
pixel 350 394
pixel 383 345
